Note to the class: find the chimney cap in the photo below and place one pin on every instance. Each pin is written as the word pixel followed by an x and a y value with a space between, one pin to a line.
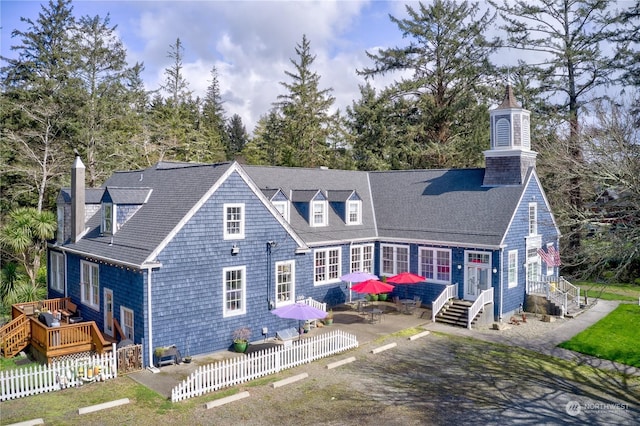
pixel 77 163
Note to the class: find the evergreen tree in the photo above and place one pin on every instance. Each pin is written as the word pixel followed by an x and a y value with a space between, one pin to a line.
pixel 628 55
pixel 101 59
pixel 266 146
pixel 445 100
pixel 307 124
pixel 175 119
pixel 213 122
pixel 237 134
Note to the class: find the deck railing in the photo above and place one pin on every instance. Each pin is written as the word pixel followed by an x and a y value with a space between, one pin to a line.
pixel 556 289
pixel 314 303
pixel 450 292
pixel 231 372
pixel 478 305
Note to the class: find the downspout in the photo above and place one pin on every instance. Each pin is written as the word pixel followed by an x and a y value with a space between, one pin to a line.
pixel 64 258
pixel 149 316
pixel 501 284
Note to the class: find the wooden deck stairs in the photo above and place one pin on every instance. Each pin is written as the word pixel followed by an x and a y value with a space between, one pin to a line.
pixel 455 312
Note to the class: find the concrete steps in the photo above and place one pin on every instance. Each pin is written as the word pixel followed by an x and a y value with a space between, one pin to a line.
pixel 455 312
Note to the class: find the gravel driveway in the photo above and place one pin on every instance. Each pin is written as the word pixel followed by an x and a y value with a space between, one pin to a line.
pixel 439 379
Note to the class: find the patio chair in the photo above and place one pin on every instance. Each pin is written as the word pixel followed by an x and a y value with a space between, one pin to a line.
pixel 418 304
pixel 399 305
pixel 411 308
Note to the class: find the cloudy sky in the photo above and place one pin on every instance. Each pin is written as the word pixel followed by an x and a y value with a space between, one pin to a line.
pixel 249 42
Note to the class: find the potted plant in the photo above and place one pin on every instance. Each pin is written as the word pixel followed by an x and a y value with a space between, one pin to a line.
pixel 241 339
pixel 374 297
pixel 383 297
pixel 328 320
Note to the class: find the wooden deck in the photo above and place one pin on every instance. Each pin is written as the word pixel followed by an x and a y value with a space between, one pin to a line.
pixel 51 342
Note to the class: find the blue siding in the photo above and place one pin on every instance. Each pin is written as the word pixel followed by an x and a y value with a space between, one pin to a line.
pixel 126 284
pixel 187 291
pixel 513 298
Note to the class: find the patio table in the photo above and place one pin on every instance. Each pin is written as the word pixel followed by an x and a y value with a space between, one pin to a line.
pixel 376 314
pixel 407 303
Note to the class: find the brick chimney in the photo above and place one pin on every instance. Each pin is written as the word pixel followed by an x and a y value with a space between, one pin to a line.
pixel 77 199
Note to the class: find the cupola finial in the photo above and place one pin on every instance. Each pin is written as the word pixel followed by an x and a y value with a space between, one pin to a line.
pixel 509 99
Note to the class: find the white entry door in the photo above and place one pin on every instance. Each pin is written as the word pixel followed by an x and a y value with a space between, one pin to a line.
pixel 108 312
pixel 477 274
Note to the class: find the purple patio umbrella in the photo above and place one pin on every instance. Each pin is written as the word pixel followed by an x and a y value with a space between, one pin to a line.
pixel 299 311
pixel 358 277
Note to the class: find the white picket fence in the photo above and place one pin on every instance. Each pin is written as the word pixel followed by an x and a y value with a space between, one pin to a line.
pixel 212 377
pixel 58 375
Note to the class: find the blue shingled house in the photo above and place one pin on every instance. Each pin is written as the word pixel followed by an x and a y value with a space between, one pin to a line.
pixel 186 253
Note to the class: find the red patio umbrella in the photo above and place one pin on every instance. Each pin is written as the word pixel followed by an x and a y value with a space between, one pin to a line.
pixel 406 278
pixel 372 287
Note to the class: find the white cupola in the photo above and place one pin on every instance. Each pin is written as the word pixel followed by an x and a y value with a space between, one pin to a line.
pixel 510 156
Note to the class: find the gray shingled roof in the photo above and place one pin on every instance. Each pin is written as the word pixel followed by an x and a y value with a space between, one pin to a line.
pixel 442 205
pixel 91 195
pixel 135 196
pixel 449 206
pixel 177 187
pixel 301 179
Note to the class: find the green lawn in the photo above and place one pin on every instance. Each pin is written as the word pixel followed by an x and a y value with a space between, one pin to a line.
pixel 624 292
pixel 615 337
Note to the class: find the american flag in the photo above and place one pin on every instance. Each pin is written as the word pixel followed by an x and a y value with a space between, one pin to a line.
pixel 550 257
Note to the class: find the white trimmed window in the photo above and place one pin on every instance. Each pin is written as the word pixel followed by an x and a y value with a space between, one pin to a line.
pixel 126 317
pixel 233 221
pixel 354 212
pixel 533 218
pixel 362 258
pixel 394 259
pixel 285 282
pixel 107 218
pixel 90 284
pixel 512 268
pixel 283 208
pixel 57 271
pixel 234 290
pixel 327 265
pixel 319 213
pixel 435 264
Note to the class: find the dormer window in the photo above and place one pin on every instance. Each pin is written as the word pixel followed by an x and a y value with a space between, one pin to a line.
pixel 283 208
pixel 354 212
pixel 319 213
pixel 107 218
